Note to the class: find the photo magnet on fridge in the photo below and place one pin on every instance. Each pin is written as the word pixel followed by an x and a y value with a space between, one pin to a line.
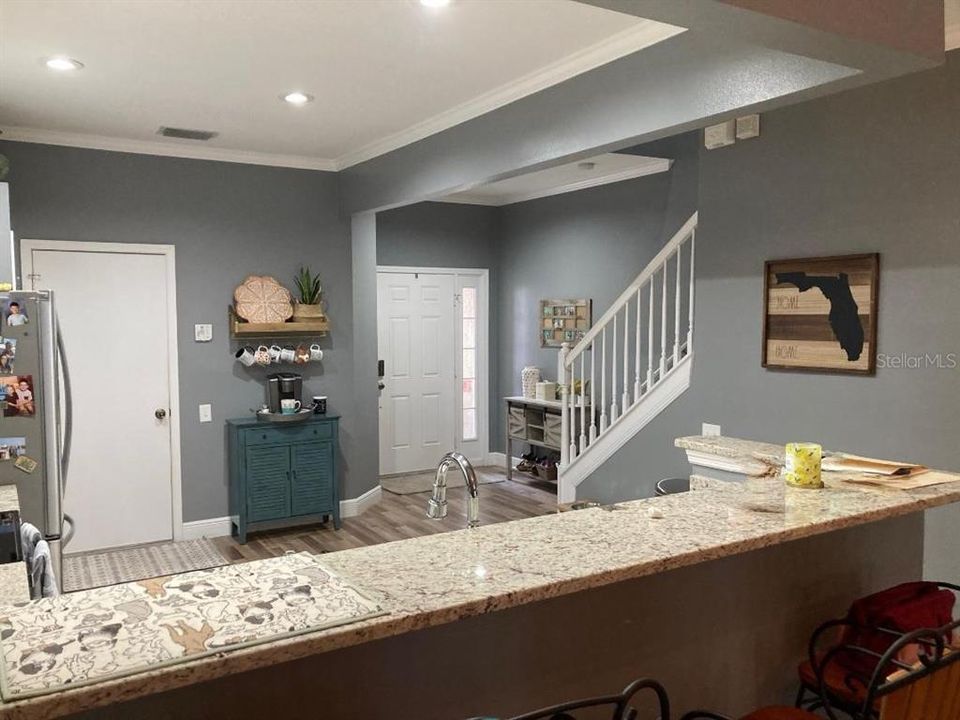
pixel 14 314
pixel 18 394
pixel 12 448
pixel 8 353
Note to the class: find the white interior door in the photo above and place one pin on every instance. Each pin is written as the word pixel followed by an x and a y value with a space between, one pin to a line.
pixel 415 328
pixel 114 310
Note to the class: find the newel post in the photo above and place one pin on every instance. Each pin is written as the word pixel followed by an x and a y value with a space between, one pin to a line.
pixel 565 380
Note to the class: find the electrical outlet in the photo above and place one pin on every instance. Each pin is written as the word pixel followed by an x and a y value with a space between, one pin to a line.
pixel 709 430
pixel 203 332
pixel 206 413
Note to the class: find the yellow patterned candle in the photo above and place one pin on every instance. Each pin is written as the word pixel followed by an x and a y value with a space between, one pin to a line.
pixel 803 465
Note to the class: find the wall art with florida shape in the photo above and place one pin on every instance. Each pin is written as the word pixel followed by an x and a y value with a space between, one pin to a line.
pixel 821 314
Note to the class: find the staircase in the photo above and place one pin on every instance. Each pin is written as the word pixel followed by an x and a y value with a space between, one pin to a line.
pixel 640 352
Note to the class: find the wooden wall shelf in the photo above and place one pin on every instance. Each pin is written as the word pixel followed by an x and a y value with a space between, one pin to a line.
pixel 241 328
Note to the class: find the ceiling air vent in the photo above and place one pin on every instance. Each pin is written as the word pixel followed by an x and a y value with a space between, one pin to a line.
pixel 185 134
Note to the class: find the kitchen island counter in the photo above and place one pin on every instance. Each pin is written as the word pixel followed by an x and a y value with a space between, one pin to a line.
pixel 435 580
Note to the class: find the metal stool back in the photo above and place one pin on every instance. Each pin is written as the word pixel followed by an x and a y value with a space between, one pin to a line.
pixel 671 486
pixel 618 705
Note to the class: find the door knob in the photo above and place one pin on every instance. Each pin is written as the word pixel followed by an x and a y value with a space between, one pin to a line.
pixel 159 413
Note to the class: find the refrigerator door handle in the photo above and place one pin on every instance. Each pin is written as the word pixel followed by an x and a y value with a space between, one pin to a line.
pixel 68 531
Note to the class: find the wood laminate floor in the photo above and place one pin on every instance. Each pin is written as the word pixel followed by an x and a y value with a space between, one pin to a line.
pixel 398 517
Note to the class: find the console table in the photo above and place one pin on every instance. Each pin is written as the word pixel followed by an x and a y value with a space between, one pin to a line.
pixel 533 422
pixel 283 473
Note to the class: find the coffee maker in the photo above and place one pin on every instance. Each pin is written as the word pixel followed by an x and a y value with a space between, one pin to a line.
pixel 283 386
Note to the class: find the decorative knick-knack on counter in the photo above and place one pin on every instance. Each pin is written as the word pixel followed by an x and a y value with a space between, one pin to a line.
pixel 802 467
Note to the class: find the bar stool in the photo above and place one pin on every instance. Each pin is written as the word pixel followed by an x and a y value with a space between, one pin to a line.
pixel 619 706
pixel 672 486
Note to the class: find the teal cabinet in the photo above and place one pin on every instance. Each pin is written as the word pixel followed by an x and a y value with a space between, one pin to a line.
pixel 282 472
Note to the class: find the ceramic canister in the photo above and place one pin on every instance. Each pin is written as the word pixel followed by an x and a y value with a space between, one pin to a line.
pixel 529 377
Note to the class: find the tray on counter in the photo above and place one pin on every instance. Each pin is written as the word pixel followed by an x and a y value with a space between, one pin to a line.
pixel 299 416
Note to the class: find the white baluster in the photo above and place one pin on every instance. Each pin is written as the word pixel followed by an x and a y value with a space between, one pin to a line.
pixel 571 399
pixel 625 403
pixel 636 359
pixel 583 402
pixel 593 391
pixel 676 310
pixel 650 339
pixel 663 324
pixel 693 239
pixel 603 381
pixel 613 371
pixel 565 379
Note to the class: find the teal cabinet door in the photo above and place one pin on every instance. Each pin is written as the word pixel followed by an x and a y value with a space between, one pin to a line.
pixel 268 482
pixel 311 478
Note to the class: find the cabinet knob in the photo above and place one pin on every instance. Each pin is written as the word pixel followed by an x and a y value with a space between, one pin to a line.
pixel 159 413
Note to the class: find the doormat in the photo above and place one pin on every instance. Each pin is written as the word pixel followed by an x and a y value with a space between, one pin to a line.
pixel 423 482
pixel 82 572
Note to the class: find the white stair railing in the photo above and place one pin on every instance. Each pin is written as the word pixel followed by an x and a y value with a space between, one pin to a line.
pixel 589 415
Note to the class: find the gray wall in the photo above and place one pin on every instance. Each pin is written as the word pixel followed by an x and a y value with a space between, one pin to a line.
pixel 873 169
pixel 226 221
pixel 586 244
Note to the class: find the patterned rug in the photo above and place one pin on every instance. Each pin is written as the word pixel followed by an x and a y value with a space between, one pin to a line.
pixel 82 572
pixel 116 631
pixel 423 482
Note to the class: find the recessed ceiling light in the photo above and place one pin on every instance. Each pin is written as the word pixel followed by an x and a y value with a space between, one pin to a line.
pixel 63 64
pixel 297 98
pixel 434 3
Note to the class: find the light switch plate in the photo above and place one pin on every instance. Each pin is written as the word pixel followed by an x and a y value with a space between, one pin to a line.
pixel 206 413
pixel 203 332
pixel 710 430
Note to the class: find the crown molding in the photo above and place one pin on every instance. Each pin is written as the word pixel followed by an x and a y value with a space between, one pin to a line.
pixel 952 37
pixel 651 166
pixel 165 149
pixel 624 43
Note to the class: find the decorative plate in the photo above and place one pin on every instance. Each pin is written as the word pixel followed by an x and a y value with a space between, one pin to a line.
pixel 261 299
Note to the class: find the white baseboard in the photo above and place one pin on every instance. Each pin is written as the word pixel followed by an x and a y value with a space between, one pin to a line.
pixel 355 506
pixel 220 527
pixel 499 459
pixel 209 528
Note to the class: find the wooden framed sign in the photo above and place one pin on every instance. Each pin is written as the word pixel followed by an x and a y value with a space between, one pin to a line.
pixel 564 321
pixel 821 314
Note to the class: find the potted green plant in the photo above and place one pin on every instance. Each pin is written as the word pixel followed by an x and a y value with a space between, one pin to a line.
pixel 308 306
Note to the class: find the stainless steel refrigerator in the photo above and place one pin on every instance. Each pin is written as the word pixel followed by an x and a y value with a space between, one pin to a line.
pixel 34 413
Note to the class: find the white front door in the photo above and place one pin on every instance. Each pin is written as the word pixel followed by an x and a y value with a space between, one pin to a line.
pixel 114 310
pixel 415 328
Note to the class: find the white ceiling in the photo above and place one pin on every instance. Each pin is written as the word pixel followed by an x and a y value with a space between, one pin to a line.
pixel 384 72
pixel 607 168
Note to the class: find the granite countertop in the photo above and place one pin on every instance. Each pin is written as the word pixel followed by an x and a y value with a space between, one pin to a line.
pixel 14 586
pixel 429 581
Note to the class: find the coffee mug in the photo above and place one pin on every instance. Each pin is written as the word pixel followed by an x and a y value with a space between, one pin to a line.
pixel 302 355
pixel 289 406
pixel 275 353
pixel 245 356
pixel 316 354
pixel 288 354
pixel 262 355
